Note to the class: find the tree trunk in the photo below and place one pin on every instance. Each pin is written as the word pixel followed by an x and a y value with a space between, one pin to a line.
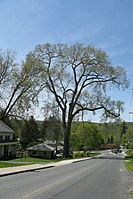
pixel 66 143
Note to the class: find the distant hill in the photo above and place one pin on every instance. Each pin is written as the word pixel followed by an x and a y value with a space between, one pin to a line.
pixel 106 129
pixel 110 131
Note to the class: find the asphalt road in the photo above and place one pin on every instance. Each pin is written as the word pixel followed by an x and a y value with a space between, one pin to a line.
pixel 101 178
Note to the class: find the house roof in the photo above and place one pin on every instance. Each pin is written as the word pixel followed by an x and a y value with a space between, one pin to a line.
pixel 42 147
pixel 4 128
pixel 45 147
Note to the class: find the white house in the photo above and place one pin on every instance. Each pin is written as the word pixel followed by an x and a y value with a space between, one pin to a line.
pixel 7 141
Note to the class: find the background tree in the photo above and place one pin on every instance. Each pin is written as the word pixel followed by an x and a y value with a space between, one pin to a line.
pixel 19 85
pixel 54 128
pixel 43 130
pixel 123 128
pixel 112 139
pixel 51 129
pixel 30 133
pixel 7 66
pixel 77 77
pixel 75 142
pixel 90 137
pixel 124 140
pixel 129 138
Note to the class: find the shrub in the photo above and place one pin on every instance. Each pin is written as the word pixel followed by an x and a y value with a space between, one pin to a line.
pixel 88 154
pixel 130 153
pixel 79 154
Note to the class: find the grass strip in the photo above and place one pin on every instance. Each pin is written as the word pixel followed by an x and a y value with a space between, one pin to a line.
pixel 129 164
pixel 33 160
pixel 6 164
pixel 131 195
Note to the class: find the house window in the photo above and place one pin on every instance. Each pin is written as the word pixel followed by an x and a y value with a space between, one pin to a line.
pixel 7 137
pixel 1 137
pixel 14 137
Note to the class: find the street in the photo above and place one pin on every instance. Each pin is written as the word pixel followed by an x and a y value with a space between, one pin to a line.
pixel 101 178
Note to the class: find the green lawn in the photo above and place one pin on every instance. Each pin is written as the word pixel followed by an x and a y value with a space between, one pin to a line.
pixel 40 160
pixel 129 164
pixel 25 161
pixel 29 160
pixel 94 154
pixel 129 167
pixel 131 194
pixel 6 164
pixel 81 154
pixel 33 160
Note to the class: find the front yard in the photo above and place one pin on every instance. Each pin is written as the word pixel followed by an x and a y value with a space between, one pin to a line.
pixel 25 161
pixel 7 164
pixel 129 164
pixel 131 194
pixel 129 167
pixel 34 160
pixel 30 160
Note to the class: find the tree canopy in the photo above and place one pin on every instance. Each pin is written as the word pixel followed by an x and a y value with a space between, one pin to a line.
pixel 51 129
pixel 77 78
pixel 85 136
pixel 19 84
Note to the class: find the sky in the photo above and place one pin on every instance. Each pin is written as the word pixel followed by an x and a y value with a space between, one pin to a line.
pixel 106 24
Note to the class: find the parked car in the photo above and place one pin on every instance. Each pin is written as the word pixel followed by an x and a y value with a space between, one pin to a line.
pixel 117 150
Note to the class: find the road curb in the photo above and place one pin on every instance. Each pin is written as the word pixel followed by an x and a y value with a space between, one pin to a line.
pixel 75 161
pixel 24 171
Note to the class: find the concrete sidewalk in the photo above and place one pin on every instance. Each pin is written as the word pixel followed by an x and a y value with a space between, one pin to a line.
pixel 33 167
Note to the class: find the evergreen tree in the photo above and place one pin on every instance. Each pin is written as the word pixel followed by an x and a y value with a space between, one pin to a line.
pixel 112 139
pixel 124 128
pixel 30 133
